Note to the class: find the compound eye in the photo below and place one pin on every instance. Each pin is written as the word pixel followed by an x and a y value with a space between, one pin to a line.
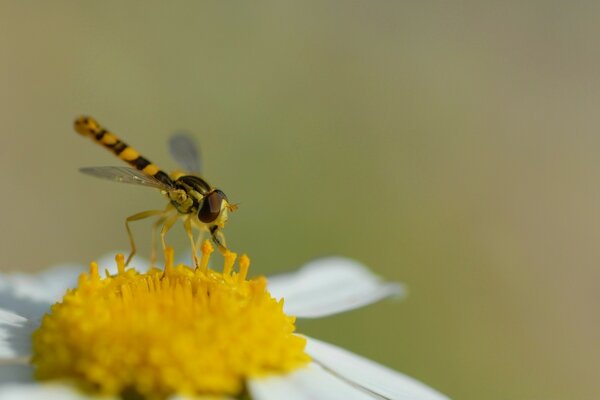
pixel 211 206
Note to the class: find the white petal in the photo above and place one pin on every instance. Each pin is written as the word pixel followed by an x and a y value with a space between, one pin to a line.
pixel 368 374
pixel 310 383
pixel 329 286
pixel 15 335
pixel 46 391
pixel 11 319
pixel 31 294
pixel 45 287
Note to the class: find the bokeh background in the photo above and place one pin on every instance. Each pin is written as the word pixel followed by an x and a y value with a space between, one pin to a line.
pixel 451 146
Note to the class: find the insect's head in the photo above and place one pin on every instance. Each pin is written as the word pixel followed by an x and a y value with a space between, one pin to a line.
pixel 215 208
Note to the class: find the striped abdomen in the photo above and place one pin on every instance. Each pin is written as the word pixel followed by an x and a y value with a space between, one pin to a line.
pixel 88 126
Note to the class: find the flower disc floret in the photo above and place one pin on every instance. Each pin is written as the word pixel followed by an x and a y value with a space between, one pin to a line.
pixel 178 330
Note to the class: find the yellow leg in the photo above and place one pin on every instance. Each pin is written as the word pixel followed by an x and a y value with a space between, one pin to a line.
pixel 168 223
pixel 187 225
pixel 199 239
pixel 158 223
pixel 137 217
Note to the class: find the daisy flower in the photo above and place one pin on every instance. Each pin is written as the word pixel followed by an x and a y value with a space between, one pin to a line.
pixel 188 332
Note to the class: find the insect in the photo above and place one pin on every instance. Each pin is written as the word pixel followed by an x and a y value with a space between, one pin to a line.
pixel 191 198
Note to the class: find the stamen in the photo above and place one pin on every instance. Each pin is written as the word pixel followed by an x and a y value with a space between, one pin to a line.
pixel 94 276
pixel 229 261
pixel 207 250
pixel 244 264
pixel 120 259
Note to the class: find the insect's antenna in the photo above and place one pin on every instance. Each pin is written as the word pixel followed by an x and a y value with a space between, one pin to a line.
pixel 88 126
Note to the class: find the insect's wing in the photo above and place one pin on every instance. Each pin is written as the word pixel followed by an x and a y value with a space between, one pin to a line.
pixel 125 175
pixel 184 150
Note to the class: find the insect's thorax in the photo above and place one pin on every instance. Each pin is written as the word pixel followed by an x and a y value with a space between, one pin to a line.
pixel 189 193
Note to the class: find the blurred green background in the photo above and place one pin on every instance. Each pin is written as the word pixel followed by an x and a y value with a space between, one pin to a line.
pixel 451 146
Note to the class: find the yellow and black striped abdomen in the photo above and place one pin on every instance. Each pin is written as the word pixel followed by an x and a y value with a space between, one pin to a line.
pixel 88 126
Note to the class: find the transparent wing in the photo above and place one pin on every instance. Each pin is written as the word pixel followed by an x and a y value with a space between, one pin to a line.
pixel 125 175
pixel 184 150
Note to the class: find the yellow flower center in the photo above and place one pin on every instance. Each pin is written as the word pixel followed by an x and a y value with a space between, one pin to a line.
pixel 181 330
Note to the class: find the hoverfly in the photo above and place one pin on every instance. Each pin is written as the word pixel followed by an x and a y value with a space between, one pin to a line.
pixel 191 198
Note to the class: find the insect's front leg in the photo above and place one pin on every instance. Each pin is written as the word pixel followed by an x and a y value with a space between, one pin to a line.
pixel 218 239
pixel 199 239
pixel 187 225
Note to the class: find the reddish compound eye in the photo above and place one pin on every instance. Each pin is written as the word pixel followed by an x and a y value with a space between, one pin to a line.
pixel 211 206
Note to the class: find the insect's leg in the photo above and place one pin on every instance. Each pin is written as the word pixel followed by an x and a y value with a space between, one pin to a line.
pixel 168 223
pixel 199 240
pixel 187 225
pixel 137 217
pixel 158 223
pixel 218 238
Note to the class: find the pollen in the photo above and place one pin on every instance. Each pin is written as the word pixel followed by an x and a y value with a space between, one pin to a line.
pixel 181 330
